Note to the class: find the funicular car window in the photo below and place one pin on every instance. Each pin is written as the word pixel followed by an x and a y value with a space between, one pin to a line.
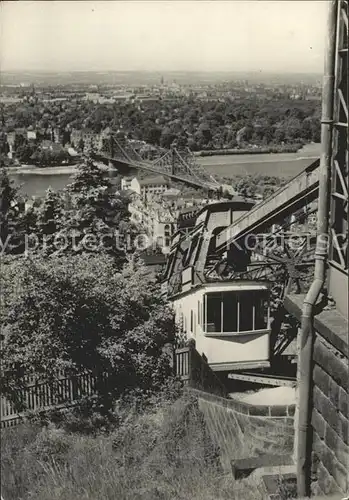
pixel 214 312
pixel 236 311
pixel 230 312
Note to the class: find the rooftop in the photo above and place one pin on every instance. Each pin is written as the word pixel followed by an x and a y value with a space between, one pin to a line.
pixel 188 210
pixel 172 192
pixel 150 181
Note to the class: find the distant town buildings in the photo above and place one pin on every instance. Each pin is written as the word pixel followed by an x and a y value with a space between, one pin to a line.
pixel 31 135
pixel 158 209
pixel 149 186
pixel 126 184
pixel 158 220
pixel 153 186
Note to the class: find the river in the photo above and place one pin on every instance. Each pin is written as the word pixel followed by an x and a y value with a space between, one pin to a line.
pixel 36 185
pixel 35 181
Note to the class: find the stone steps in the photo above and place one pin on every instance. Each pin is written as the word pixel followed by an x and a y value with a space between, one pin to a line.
pixel 245 466
pixel 275 484
pixel 270 485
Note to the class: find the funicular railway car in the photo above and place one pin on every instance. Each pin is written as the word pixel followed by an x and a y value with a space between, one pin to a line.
pixel 228 319
pixel 229 322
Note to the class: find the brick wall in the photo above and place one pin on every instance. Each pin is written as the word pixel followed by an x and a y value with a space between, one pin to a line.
pixel 241 430
pixel 330 440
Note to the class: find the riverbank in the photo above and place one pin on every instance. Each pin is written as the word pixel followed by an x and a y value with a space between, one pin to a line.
pixel 32 169
pixel 240 152
pixel 58 170
pixel 285 165
pixel 307 149
pixel 308 152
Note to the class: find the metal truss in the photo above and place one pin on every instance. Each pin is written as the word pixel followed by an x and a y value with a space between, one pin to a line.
pixel 283 256
pixel 178 165
pixel 339 201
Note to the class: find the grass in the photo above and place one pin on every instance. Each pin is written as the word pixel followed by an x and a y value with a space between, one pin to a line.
pixel 163 453
pixel 287 489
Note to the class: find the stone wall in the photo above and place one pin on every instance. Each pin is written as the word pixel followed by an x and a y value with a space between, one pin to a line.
pixel 330 423
pixel 241 430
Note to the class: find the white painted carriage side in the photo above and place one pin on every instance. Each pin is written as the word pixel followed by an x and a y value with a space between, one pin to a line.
pixel 221 348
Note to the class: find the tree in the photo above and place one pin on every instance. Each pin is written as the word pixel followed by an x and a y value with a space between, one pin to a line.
pixel 87 176
pixel 78 313
pixel 88 216
pixel 11 216
pixel 47 157
pixel 49 214
pixel 4 146
pixel 205 133
pixel 66 137
pixel 20 140
pixel 94 215
pixel 152 133
pixel 81 144
pixel 167 137
pixel 24 150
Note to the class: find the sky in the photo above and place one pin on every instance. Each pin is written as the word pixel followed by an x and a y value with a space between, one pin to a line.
pixel 177 35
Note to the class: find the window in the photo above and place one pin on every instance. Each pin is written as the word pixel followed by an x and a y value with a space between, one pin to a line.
pixel 230 308
pixel 236 311
pixel 214 313
pixel 192 321
pixel 246 312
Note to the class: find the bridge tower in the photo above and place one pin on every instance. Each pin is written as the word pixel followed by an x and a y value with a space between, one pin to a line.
pixel 181 166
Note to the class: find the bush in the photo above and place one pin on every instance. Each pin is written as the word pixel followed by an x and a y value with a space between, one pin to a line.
pixel 112 325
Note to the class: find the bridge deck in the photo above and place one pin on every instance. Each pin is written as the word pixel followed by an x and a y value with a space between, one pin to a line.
pixel 153 168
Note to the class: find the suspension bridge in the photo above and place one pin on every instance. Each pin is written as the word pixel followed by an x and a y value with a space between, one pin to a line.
pixel 180 166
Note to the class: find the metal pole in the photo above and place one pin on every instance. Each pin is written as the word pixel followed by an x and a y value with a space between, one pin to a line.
pixel 321 253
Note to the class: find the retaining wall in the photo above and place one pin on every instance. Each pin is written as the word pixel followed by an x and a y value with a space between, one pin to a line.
pixel 330 421
pixel 329 437
pixel 241 430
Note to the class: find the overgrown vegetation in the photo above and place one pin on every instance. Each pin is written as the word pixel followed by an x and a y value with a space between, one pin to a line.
pixel 287 488
pixel 258 185
pixel 86 217
pixel 74 298
pixel 161 453
pixel 77 314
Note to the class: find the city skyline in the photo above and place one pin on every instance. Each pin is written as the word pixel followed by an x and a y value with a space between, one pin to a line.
pixel 261 35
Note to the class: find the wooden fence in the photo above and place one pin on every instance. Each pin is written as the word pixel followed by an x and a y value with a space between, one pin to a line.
pixel 40 396
pixel 64 391
pixel 183 364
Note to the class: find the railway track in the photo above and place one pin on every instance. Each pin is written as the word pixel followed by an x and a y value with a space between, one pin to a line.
pixel 274 380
